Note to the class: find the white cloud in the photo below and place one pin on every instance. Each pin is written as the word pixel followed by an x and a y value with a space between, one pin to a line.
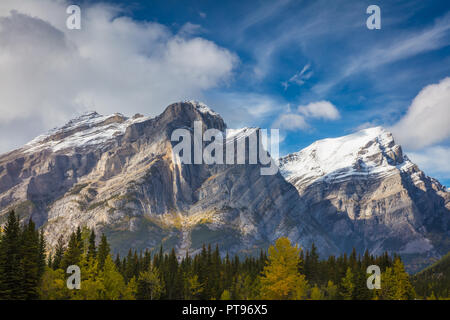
pixel 189 29
pixel 299 78
pixel 114 63
pixel 290 121
pixel 427 120
pixel 433 161
pixel 298 120
pixel 320 109
pixel 245 109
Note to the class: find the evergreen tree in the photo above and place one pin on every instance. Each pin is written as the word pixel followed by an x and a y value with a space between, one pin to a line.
pixel 149 285
pixel 92 249
pixel 42 254
pixel 103 251
pixel 11 272
pixel 59 253
pixel 72 255
pixel 30 262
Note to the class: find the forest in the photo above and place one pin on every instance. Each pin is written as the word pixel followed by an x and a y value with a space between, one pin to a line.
pixel 29 271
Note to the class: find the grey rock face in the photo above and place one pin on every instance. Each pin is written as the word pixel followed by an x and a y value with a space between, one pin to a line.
pixel 366 194
pixel 127 185
pixel 117 175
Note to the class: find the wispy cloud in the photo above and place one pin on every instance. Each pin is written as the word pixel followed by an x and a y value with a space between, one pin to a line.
pixel 299 78
pixel 391 49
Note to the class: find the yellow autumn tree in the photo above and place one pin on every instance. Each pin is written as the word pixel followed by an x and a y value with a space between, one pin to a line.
pixel 281 279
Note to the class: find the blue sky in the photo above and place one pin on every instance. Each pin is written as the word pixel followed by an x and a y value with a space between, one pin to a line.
pixel 275 40
pixel 281 56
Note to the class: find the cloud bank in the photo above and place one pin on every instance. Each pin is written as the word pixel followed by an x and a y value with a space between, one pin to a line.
pixel 433 160
pixel 49 73
pixel 424 131
pixel 427 120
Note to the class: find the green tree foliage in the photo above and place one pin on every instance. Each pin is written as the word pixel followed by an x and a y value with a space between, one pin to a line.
pixel 11 269
pixel 149 285
pixel 92 249
pixel 72 255
pixel 287 272
pixel 395 283
pixel 434 281
pixel 103 251
pixel 22 259
pixel 347 285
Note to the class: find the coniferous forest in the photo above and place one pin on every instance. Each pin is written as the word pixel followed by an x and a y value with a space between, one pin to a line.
pixel 28 271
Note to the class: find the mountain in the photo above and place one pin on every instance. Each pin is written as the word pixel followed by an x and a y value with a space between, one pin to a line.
pixel 367 194
pixel 434 279
pixel 117 175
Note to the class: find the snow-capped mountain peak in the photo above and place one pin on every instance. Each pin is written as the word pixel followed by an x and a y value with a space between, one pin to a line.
pixel 202 107
pixel 370 151
pixel 87 129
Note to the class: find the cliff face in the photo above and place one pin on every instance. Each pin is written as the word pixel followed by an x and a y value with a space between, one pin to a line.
pixel 367 194
pixel 117 175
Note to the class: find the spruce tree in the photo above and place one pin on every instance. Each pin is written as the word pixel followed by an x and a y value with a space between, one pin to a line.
pixel 30 262
pixel 59 253
pixel 92 249
pixel 72 255
pixel 11 272
pixel 149 285
pixel 103 251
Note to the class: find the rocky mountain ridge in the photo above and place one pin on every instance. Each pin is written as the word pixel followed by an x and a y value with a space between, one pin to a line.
pixel 117 175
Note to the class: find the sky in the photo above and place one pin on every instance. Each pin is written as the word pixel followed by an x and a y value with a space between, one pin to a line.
pixel 310 68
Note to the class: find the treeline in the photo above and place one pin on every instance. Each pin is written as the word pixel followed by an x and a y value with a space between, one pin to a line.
pixel 434 281
pixel 286 272
pixel 22 260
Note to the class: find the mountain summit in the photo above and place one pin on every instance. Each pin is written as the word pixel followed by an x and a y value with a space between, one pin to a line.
pixel 116 174
pixel 367 194
pixel 369 152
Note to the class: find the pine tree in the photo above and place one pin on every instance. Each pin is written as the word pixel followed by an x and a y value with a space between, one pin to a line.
pixel 11 272
pixel 92 249
pixel 59 253
pixel 103 251
pixel 149 285
pixel 30 261
pixel 72 255
pixel 42 253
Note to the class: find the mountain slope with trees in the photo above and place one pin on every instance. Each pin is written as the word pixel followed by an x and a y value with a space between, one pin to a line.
pixel 287 272
pixel 434 281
